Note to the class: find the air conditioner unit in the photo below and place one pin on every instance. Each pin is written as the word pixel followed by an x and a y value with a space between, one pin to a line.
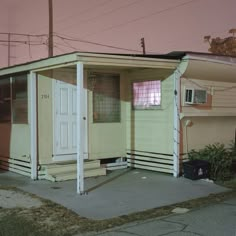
pixel 195 96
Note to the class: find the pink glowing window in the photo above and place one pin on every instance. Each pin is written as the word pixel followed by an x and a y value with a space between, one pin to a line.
pixel 147 94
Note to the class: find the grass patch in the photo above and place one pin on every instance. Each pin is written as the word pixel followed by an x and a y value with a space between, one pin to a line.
pixel 229 183
pixel 19 226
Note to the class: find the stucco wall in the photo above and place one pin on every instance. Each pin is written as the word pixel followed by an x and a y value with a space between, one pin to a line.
pixel 208 130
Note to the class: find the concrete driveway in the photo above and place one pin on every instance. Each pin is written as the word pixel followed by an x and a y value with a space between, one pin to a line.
pixel 213 220
pixel 119 193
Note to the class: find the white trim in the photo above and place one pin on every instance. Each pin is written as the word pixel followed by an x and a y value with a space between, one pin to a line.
pixel 80 127
pixel 54 97
pixel 33 126
pixel 176 135
pixel 85 125
pixel 208 113
pixel 211 58
pixel 66 157
pixel 92 59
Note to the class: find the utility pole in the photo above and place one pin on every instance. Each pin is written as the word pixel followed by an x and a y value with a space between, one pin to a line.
pixel 143 45
pixel 50 35
pixel 9 49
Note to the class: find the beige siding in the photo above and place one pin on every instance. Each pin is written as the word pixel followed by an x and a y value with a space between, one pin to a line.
pixel 45 119
pixel 107 140
pixel 151 130
pixel 221 97
pixel 20 142
pixel 212 122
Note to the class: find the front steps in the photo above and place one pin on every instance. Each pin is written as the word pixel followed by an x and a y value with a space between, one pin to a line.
pixel 68 171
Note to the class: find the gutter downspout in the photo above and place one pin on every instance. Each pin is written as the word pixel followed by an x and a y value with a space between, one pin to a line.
pixel 178 73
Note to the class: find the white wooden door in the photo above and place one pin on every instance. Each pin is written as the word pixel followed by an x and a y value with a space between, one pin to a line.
pixel 65 140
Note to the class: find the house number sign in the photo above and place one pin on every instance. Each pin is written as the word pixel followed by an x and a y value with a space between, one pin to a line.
pixel 45 96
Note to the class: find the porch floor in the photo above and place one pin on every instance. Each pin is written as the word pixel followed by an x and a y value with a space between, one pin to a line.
pixel 119 193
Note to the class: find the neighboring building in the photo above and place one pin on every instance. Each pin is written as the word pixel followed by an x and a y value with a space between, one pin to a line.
pixel 148 109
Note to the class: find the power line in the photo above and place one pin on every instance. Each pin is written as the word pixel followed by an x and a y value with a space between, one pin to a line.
pixel 67 45
pixel 141 18
pixel 103 14
pixel 71 16
pixel 83 12
pixel 50 28
pixel 94 43
pixel 20 34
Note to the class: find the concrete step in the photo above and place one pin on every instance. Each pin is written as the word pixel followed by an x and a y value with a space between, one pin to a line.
pixel 68 171
pixel 58 168
pixel 63 176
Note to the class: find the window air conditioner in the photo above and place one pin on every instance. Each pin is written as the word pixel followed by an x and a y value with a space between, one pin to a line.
pixel 195 96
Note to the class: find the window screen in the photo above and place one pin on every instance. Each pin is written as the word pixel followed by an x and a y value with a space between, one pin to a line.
pixel 20 99
pixel 147 94
pixel 5 100
pixel 106 98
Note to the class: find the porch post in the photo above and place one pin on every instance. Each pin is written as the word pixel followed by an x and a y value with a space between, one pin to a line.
pixel 80 127
pixel 33 126
pixel 176 123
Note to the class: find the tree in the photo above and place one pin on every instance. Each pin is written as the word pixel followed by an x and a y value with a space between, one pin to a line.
pixel 222 46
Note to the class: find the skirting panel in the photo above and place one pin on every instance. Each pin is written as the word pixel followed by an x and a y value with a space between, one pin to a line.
pixel 150 161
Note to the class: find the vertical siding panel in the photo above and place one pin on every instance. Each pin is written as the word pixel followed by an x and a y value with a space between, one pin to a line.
pixel 151 130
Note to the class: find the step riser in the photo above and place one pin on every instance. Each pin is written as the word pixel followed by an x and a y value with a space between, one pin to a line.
pixel 57 169
pixel 72 176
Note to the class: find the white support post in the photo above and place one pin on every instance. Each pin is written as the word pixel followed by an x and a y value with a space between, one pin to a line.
pixel 176 123
pixel 81 119
pixel 33 126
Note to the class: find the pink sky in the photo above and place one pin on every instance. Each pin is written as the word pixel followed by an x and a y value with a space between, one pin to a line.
pixel 166 25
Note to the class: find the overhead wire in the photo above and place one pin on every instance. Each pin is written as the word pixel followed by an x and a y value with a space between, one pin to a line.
pixel 83 12
pixel 30 54
pixel 67 45
pixel 103 14
pixel 141 18
pixel 95 43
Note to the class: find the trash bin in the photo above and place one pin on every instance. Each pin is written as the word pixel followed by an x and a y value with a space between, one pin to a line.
pixel 196 169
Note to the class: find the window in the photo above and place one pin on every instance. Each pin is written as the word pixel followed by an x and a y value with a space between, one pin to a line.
pixel 5 100
pixel 147 94
pixel 19 99
pixel 14 99
pixel 106 98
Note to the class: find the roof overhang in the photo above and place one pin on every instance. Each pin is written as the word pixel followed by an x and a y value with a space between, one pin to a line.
pixel 93 59
pixel 210 67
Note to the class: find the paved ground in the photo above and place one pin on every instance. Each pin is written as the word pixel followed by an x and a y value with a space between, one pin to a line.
pixel 132 191
pixel 12 199
pixel 213 220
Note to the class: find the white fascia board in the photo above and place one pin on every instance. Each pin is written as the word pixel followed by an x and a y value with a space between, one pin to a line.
pixel 127 61
pixel 43 64
pixel 211 59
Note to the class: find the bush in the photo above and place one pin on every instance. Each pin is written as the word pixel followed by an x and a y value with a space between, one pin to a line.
pixel 218 156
